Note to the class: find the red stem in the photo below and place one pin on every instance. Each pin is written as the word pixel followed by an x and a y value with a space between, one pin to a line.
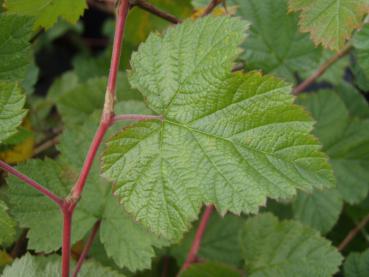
pixel 107 115
pixel 87 248
pixel 191 257
pixel 106 120
pixel 32 183
pixel 135 117
pixel 67 228
pixel 353 233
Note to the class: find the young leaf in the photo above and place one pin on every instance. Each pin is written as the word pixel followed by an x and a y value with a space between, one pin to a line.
pixel 11 109
pixel 47 12
pixel 275 44
pixel 219 243
pixel 228 139
pixel 15 50
pixel 330 22
pixel 286 248
pixel 7 225
pixel 357 265
pixel 31 266
pixel 320 210
pixel 210 269
pixel 345 140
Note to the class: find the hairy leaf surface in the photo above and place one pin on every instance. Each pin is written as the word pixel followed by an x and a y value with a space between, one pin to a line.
pixel 11 109
pixel 210 269
pixel 286 248
pixel 15 49
pixel 7 225
pixel 228 139
pixel 330 22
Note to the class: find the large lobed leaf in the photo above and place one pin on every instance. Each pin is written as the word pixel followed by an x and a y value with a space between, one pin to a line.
pixel 228 139
pixel 330 22
pixel 286 248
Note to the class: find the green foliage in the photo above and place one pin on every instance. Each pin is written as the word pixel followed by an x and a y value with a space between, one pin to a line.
pixel 330 22
pixel 319 210
pixel 211 116
pixel 361 54
pixel 47 12
pixel 30 266
pixel 210 269
pixel 11 109
pixel 15 50
pixel 345 140
pixel 286 248
pixel 220 241
pixel 357 265
pixel 7 225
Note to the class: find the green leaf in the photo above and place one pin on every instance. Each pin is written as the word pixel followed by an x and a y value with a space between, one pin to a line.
pixel 15 49
pixel 330 22
pixel 30 266
pixel 210 269
pixel 320 210
pixel 218 143
pixel 345 140
pixel 354 101
pixel 361 55
pixel 357 265
pixel 47 12
pixel 286 248
pixel 34 211
pixel 275 44
pixel 7 225
pixel 11 109
pixel 219 243
pixel 80 101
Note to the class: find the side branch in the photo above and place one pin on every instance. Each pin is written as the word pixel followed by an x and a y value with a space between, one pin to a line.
pixel 136 117
pixel 191 257
pixel 27 180
pixel 353 233
pixel 87 248
pixel 154 10
pixel 321 70
pixel 212 5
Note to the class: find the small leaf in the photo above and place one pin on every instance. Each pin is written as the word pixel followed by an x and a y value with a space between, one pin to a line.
pixel 31 266
pixel 228 139
pixel 11 109
pixel 7 225
pixel 357 265
pixel 330 22
pixel 286 248
pixel 345 140
pixel 15 49
pixel 47 12
pixel 361 54
pixel 210 269
pixel 320 210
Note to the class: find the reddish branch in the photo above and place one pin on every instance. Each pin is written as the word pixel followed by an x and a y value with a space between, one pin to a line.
pixel 353 233
pixel 212 5
pixel 136 117
pixel 321 70
pixel 32 183
pixel 87 248
pixel 192 254
pixel 154 10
